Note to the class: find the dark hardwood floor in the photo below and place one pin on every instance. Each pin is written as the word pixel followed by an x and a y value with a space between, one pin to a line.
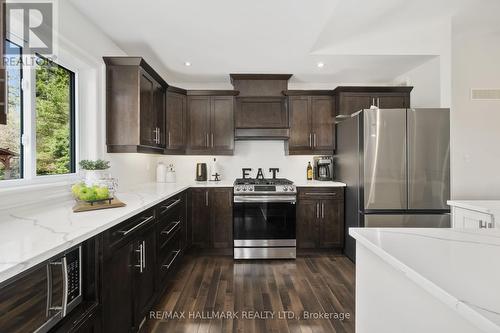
pixel 210 286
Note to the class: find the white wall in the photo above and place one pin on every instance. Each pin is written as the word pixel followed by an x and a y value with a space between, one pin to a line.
pixel 426 82
pixel 247 154
pixel 475 125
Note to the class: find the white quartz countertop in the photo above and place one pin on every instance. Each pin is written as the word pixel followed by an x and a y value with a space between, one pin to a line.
pixel 483 206
pixel 32 234
pixel 318 183
pixel 458 266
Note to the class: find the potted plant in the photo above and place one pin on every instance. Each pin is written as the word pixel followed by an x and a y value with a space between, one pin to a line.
pixel 94 170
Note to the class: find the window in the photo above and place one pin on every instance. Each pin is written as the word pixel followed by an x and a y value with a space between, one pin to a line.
pixel 39 137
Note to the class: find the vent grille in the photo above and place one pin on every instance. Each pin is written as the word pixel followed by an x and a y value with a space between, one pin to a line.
pixel 485 94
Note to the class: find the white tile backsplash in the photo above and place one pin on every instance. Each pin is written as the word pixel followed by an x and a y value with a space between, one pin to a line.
pixel 247 154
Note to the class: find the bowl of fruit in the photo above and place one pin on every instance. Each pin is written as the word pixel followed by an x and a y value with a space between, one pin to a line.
pixel 91 194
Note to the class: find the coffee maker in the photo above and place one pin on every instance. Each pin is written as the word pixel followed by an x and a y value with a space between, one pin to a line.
pixel 323 168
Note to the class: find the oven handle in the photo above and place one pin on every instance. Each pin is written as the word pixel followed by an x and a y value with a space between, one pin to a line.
pixel 265 198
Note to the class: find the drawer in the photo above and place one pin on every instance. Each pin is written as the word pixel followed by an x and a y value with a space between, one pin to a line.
pixel 170 255
pixel 168 228
pixel 173 203
pixel 332 193
pixel 125 231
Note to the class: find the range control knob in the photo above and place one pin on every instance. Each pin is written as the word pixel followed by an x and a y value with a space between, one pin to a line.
pixel 285 188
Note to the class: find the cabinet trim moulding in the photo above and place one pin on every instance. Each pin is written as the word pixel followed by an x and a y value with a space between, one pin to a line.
pixel 177 90
pixel 135 61
pixel 307 92
pixel 373 89
pixel 260 77
pixel 212 93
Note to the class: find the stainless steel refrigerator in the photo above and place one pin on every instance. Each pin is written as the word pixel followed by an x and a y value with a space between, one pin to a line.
pixel 396 164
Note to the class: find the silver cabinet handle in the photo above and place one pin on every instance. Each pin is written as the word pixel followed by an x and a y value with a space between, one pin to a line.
pixel 173 259
pixel 314 140
pixel 490 225
pixel 206 198
pixel 165 208
pixel 321 193
pixel 167 232
pixel 310 140
pixel 378 102
pixel 64 267
pixel 212 137
pixel 373 101
pixel 140 250
pixel 143 254
pixel 317 210
pixel 207 141
pixel 49 291
pixel 322 210
pixel 146 220
pixel 168 145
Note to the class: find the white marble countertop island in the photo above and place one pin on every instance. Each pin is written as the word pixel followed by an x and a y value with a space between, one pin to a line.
pixel 457 267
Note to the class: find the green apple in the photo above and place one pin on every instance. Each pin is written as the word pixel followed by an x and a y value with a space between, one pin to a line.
pixel 87 194
pixel 76 188
pixel 102 193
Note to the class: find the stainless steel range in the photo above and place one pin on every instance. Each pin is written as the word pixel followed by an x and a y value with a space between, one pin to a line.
pixel 264 219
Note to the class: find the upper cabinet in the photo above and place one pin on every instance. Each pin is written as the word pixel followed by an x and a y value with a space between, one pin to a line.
pixel 176 121
pixel 135 106
pixel 210 122
pixel 353 99
pixel 312 122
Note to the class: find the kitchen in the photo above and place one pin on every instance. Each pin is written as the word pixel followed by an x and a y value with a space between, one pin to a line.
pixel 238 175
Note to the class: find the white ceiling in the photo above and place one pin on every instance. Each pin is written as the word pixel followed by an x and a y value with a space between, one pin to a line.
pixel 360 41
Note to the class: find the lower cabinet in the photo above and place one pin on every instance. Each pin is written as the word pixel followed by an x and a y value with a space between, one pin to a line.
pixel 320 217
pixel 470 219
pixel 211 217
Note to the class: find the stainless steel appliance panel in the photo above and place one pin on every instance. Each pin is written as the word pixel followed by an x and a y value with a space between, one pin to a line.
pixel 385 173
pixel 264 242
pixel 428 158
pixel 407 220
pixel 265 253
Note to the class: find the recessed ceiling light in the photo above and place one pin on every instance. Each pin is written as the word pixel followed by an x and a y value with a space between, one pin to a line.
pixel 320 65
pixel 187 63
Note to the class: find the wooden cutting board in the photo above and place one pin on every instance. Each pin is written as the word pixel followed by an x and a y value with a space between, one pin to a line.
pixel 85 207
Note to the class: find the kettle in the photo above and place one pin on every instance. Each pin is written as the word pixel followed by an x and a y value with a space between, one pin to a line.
pixel 201 172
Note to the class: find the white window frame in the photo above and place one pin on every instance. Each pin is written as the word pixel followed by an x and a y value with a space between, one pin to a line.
pixel 29 129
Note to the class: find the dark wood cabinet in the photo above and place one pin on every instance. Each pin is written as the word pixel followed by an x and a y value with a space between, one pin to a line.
pixel 200 217
pixel 211 217
pixel 210 125
pixel 320 218
pixel 135 106
pixel 176 118
pixel 312 129
pixel 144 282
pixel 221 209
pixel 261 112
pixel 117 297
pixel 353 99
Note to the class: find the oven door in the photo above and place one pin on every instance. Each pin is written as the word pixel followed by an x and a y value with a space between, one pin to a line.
pixel 264 220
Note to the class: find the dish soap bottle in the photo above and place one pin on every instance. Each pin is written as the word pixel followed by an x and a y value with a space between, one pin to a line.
pixel 309 171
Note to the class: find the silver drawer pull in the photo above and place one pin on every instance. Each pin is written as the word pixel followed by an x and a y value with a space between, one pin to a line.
pixel 126 232
pixel 167 232
pixel 165 208
pixel 318 193
pixel 173 259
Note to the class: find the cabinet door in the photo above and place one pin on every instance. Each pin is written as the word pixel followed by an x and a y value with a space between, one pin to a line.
pixel 331 231
pixel 200 218
pixel 353 102
pixel 144 266
pixel 307 223
pixel 300 123
pixel 117 291
pixel 176 121
pixel 221 211
pixel 392 101
pixel 199 122
pixel 222 123
pixel 323 124
pixel 159 115
pixel 147 116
